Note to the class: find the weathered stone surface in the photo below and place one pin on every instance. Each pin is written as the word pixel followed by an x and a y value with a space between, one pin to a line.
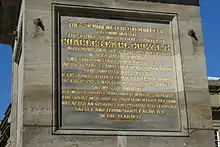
pixel 38 44
pixel 36 136
pixel 195 140
pixel 38 99
pixel 37 105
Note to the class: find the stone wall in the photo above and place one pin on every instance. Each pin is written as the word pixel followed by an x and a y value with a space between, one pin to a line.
pixel 37 83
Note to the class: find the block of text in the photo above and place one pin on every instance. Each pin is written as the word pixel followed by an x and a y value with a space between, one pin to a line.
pixel 117 75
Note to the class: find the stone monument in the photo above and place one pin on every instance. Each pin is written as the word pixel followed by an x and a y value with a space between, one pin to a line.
pixel 110 73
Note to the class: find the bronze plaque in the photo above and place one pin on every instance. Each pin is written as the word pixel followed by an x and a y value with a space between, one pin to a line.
pixel 116 75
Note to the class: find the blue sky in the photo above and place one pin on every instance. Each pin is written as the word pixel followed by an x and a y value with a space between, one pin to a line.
pixel 210 17
pixel 5 77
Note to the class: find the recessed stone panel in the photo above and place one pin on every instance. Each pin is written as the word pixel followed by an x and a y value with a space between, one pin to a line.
pixel 116 73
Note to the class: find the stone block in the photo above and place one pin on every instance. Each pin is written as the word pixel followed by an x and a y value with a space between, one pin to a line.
pixel 36 136
pixel 37 105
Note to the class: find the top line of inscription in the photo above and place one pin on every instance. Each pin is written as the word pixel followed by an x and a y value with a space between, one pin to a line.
pixel 115 27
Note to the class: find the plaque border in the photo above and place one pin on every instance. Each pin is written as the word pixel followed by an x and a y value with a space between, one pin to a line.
pixel 178 2
pixel 120 14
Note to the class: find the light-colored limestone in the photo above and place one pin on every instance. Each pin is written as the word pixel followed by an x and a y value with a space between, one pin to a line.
pixel 37 87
